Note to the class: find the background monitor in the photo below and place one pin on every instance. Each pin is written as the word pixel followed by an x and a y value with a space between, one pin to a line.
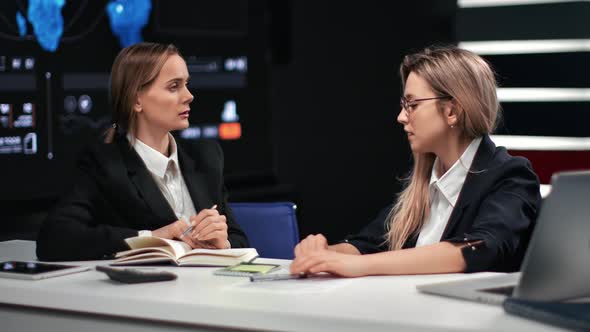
pixel 55 62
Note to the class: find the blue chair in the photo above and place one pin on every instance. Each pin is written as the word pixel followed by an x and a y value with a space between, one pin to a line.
pixel 271 227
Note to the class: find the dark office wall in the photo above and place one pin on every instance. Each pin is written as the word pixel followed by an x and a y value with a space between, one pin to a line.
pixel 335 102
pixel 334 92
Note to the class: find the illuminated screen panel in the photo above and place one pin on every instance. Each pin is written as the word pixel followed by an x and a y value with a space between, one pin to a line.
pixel 54 81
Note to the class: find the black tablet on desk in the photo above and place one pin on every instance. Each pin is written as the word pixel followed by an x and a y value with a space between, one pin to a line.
pixel 37 270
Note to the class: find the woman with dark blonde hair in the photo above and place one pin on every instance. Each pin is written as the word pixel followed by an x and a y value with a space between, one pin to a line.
pixel 139 181
pixel 467 206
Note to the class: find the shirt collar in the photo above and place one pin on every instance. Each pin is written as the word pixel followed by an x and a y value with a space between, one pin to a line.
pixel 156 162
pixel 450 183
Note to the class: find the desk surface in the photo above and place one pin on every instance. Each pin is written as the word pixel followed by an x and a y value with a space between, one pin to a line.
pixel 200 299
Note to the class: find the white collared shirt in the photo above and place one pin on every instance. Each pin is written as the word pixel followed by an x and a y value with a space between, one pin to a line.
pixel 444 192
pixel 167 175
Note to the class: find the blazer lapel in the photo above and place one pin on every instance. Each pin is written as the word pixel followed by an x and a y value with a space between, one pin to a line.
pixel 472 183
pixel 145 184
pixel 195 181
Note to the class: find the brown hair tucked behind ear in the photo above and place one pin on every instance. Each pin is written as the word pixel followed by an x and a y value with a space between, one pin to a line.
pixel 470 81
pixel 134 69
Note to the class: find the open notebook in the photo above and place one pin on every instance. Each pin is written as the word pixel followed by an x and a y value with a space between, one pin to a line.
pixel 151 250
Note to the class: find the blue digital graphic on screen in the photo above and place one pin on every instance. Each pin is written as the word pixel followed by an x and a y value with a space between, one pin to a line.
pixel 22 24
pixel 127 18
pixel 48 24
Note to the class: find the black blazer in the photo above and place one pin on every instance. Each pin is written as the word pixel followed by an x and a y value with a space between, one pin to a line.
pixel 495 213
pixel 115 196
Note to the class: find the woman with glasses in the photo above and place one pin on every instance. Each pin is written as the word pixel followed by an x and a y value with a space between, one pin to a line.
pixel 467 205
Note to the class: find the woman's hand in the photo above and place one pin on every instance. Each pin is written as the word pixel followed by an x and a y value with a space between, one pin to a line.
pixel 210 229
pixel 311 244
pixel 312 255
pixel 330 261
pixel 174 231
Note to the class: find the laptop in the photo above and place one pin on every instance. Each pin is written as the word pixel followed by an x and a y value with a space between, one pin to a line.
pixel 556 265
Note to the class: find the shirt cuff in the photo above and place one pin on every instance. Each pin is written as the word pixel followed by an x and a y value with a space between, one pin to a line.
pixel 144 233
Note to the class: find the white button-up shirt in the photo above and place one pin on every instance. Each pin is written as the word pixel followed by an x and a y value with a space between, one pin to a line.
pixel 168 177
pixel 444 192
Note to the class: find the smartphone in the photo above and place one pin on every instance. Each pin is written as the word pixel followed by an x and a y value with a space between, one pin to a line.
pixel 246 269
pixel 37 270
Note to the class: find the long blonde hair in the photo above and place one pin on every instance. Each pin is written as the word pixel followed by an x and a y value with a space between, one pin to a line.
pixel 135 68
pixel 471 82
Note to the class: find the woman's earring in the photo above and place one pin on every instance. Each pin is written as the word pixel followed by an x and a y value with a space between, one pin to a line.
pixel 452 126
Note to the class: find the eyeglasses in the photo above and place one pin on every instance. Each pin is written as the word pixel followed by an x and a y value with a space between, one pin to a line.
pixel 408 106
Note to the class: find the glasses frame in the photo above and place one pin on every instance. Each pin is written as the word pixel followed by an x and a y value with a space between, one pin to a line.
pixel 405 103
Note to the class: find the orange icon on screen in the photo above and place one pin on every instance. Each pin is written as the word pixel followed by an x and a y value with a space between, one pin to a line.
pixel 230 131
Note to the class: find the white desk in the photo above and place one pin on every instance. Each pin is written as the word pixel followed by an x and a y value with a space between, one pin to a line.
pixel 199 301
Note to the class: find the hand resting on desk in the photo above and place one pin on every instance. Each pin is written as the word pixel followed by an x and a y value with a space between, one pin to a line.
pixel 324 260
pixel 313 255
pixel 312 243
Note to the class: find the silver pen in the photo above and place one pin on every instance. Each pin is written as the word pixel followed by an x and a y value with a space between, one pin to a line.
pixel 277 276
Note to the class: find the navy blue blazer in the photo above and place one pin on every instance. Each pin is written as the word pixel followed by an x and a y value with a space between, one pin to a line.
pixel 115 196
pixel 495 213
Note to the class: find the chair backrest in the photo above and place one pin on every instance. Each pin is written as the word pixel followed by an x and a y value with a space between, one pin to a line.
pixel 271 227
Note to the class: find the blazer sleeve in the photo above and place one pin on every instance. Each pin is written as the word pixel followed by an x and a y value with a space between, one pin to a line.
pixel 71 231
pixel 371 239
pixel 235 235
pixel 499 235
